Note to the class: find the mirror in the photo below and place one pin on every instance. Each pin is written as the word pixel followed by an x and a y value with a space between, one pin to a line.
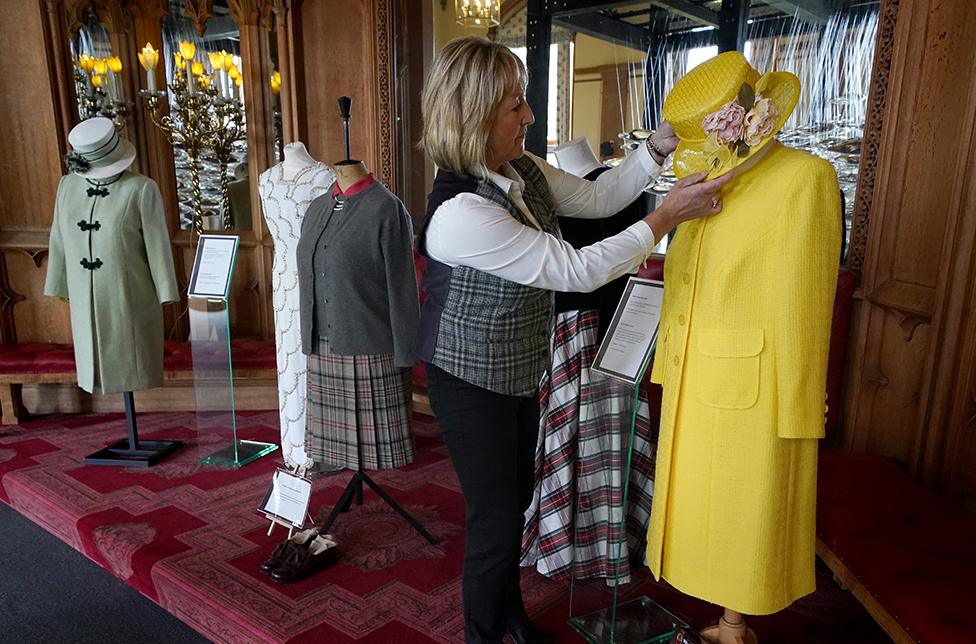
pixel 275 82
pixel 206 100
pixel 96 71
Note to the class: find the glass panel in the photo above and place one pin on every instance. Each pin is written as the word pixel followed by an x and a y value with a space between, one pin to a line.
pixel 213 386
pixel 614 455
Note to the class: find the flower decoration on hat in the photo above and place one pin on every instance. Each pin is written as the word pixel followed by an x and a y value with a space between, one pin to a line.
pixel 76 163
pixel 738 126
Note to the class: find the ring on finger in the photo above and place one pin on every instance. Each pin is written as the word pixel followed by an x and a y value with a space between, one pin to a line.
pixel 714 202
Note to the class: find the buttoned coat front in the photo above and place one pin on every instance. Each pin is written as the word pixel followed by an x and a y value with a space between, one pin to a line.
pixel 109 255
pixel 743 360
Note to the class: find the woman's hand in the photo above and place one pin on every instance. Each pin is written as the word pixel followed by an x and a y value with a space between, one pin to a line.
pixel 689 198
pixel 664 138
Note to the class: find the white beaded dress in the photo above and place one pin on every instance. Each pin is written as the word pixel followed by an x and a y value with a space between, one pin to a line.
pixel 285 201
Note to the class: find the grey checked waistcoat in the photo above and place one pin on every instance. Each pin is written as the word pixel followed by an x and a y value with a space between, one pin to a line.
pixel 486 330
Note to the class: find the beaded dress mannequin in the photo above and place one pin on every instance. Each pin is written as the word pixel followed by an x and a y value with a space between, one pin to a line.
pixel 286 190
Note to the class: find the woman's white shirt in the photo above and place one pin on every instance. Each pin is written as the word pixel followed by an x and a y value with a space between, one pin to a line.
pixel 470 230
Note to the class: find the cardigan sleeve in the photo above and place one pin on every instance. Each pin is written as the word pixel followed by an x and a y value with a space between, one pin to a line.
pixel 807 244
pixel 56 281
pixel 396 245
pixel 156 238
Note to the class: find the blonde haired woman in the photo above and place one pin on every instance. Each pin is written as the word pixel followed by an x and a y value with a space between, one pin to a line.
pixel 494 257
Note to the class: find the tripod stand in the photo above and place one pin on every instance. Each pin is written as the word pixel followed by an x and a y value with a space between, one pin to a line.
pixel 355 487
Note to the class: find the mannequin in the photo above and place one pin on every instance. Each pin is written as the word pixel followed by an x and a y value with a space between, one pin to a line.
pixel 110 257
pixel 742 352
pixel 286 191
pixel 359 317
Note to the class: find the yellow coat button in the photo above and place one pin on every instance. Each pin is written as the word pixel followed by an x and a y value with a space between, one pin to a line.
pixel 681 320
pixel 686 278
pixel 676 361
pixel 694 233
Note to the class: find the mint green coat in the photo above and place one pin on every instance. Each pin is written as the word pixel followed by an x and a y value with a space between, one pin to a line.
pixel 110 257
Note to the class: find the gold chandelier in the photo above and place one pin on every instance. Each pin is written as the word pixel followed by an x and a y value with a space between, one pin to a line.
pixel 478 13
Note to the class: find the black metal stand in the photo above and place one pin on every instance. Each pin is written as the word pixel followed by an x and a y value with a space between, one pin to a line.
pixel 345 109
pixel 132 452
pixel 355 487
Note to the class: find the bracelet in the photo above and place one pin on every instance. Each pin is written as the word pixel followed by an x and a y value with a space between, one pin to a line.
pixel 652 147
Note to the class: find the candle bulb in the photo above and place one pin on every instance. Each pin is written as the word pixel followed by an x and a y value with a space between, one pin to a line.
pixel 148 58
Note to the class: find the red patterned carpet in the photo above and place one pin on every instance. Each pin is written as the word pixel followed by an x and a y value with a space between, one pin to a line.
pixel 187 535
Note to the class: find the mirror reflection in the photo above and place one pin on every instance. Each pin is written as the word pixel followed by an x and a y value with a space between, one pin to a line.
pixel 206 99
pixel 96 70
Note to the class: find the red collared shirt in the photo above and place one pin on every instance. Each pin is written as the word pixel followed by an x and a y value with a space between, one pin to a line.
pixel 359 186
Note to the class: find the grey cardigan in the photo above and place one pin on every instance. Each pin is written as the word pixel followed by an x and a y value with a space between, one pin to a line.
pixel 370 286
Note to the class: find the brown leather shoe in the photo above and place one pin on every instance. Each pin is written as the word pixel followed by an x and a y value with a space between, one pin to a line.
pixel 321 553
pixel 281 552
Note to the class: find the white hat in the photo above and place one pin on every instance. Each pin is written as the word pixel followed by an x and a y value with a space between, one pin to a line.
pixel 97 150
pixel 576 157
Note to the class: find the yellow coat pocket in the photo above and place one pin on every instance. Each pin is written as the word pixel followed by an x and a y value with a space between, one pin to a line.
pixel 729 368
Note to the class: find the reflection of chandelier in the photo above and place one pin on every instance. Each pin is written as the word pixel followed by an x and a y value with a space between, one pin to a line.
pixel 478 13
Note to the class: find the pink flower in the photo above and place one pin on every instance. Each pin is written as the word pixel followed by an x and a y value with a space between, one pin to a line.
pixel 726 122
pixel 760 121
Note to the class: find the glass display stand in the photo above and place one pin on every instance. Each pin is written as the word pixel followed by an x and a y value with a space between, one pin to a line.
pixel 600 610
pixel 213 383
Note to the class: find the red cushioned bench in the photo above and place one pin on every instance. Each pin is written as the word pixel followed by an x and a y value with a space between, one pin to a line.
pixel 908 555
pixel 39 363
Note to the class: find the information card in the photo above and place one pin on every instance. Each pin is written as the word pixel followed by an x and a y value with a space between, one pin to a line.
pixel 213 266
pixel 632 335
pixel 287 498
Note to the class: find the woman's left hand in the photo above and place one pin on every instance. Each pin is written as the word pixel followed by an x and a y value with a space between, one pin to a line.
pixel 664 138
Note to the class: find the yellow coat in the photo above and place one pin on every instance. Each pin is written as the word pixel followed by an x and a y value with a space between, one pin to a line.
pixel 743 362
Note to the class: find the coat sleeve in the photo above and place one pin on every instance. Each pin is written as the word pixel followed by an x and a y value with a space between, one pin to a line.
pixel 807 247
pixel 56 281
pixel 158 248
pixel 401 279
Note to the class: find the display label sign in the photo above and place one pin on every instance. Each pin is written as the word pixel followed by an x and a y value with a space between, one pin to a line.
pixel 213 266
pixel 632 335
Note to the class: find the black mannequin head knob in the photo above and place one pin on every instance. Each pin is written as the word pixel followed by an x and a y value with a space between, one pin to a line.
pixel 345 107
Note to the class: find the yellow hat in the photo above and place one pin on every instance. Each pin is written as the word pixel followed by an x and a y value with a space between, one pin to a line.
pixel 724 112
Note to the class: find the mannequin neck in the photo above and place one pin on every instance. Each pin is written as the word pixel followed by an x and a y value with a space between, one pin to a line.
pixel 349 172
pixel 104 181
pixel 296 158
pixel 754 159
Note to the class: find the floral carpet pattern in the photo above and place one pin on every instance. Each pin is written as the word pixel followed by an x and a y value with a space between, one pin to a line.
pixel 189 537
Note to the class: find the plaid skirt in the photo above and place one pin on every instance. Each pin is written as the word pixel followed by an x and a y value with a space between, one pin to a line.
pixel 573 523
pixel 358 411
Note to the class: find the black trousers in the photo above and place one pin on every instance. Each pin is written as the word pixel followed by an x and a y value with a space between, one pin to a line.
pixel 491 439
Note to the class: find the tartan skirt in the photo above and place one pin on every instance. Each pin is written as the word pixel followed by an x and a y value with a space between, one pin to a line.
pixel 573 523
pixel 358 410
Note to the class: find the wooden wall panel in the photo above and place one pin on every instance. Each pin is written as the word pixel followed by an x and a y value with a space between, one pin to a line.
pixel 37 318
pixel 911 391
pixel 343 49
pixel 30 166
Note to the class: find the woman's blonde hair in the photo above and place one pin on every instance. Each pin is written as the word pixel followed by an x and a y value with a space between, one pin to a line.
pixel 467 81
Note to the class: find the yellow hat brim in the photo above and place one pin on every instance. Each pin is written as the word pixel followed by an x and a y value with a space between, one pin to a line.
pixel 782 88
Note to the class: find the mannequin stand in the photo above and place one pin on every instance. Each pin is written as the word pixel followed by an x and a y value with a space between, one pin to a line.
pixel 132 452
pixel 355 486
pixel 731 629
